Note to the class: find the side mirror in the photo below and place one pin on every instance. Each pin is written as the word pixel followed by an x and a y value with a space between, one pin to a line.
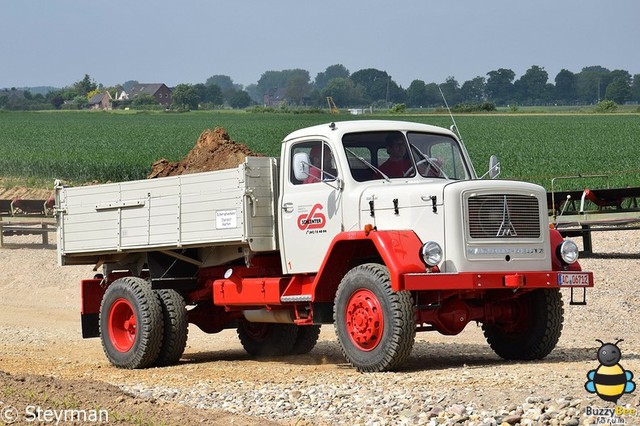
pixel 494 167
pixel 301 165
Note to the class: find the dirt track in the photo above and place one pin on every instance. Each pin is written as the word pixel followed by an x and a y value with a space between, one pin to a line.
pixel 40 336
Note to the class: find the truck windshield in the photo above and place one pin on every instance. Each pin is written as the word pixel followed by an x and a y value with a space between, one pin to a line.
pixel 394 154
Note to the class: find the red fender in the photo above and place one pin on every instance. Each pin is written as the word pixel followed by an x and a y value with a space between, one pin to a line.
pixel 555 239
pixel 399 250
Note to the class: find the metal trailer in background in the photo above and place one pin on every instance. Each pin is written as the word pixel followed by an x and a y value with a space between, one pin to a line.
pixel 580 213
pixel 26 217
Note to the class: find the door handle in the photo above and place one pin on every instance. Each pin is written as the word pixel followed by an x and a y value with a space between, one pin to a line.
pixel 287 207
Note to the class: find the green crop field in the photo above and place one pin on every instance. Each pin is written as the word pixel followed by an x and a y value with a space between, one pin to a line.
pixel 101 146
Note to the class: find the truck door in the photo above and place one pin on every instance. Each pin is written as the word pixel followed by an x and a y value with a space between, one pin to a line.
pixel 310 203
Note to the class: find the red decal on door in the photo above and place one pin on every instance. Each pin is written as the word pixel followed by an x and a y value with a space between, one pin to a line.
pixel 313 220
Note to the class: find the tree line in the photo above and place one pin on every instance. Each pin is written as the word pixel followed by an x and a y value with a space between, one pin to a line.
pixel 365 87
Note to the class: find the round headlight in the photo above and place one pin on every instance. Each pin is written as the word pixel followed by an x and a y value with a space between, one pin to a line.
pixel 431 253
pixel 568 251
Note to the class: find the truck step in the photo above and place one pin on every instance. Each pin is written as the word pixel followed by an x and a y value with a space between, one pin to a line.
pixel 296 298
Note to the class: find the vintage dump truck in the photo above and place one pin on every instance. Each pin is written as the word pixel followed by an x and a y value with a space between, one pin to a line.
pixel 340 230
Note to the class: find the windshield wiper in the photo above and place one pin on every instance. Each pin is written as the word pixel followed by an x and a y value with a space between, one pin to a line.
pixel 368 164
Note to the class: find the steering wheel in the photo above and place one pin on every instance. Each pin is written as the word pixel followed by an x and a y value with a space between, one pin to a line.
pixel 418 164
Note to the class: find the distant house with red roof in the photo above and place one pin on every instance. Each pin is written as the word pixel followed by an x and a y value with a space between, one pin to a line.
pixel 160 91
pixel 100 101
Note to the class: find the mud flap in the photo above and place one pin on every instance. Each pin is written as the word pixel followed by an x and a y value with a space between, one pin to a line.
pixel 91 296
pixel 90 325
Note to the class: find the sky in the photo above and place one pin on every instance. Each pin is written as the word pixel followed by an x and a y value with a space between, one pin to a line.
pixel 56 42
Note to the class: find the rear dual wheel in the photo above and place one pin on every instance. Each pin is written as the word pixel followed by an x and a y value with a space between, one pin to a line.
pixel 140 327
pixel 306 339
pixel 270 339
pixel 176 327
pixel 267 339
pixel 131 323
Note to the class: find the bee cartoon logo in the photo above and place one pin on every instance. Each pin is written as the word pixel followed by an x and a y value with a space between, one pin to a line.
pixel 609 381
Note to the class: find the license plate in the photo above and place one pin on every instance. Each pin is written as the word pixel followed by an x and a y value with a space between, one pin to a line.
pixel 574 280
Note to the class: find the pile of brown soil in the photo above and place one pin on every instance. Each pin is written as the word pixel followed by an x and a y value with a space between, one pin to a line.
pixel 214 150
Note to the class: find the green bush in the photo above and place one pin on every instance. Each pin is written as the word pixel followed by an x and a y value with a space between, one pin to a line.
pixel 261 109
pixel 606 106
pixel 156 107
pixel 69 106
pixel 309 111
pixel 177 109
pixel 398 109
pixel 481 107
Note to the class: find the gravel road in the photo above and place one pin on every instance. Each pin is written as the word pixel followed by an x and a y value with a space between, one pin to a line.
pixel 447 380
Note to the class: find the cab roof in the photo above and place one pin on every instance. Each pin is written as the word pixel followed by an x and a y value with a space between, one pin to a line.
pixel 339 128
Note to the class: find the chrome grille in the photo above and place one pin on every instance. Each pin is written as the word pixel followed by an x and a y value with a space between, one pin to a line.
pixel 503 216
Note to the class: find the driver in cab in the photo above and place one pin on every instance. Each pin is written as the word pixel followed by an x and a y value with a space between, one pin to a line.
pixel 398 162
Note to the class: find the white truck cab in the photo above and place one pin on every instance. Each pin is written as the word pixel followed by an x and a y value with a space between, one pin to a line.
pixel 427 194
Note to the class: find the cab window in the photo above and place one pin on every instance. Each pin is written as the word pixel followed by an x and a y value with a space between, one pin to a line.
pixel 312 162
pixel 443 151
pixel 429 155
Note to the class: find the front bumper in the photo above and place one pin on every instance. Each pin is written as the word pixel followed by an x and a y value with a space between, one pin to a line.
pixel 496 280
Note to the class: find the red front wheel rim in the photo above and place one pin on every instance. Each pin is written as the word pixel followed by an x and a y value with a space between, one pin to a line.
pixel 364 319
pixel 122 325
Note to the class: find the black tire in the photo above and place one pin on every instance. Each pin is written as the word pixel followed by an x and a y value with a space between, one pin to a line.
pixel 176 327
pixel 376 327
pixel 131 324
pixel 306 339
pixel 267 339
pixel 535 332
